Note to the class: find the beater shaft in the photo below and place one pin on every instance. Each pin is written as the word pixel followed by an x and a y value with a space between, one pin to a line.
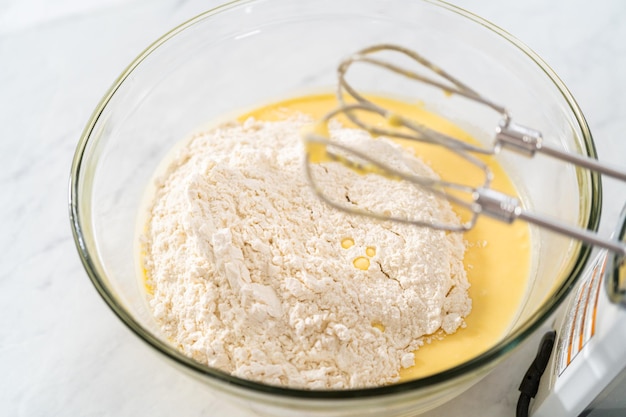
pixel 507 209
pixel 528 141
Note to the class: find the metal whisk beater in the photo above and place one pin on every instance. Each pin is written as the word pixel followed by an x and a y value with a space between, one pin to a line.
pixel 477 199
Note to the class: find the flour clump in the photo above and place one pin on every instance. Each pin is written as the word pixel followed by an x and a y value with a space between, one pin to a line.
pixel 248 273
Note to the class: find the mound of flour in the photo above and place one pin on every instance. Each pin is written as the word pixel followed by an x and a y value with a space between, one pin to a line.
pixel 249 274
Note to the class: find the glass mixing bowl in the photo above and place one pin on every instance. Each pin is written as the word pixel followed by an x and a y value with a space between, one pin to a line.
pixel 250 52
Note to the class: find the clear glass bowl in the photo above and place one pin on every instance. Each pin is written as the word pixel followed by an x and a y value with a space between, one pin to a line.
pixel 250 52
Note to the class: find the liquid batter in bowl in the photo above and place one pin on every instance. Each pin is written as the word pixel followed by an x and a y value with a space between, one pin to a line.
pixel 240 54
pixel 496 262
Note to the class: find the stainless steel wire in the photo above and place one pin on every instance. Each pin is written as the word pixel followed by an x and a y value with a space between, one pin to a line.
pixel 478 199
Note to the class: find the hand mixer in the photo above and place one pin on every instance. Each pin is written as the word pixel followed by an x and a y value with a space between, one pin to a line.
pixel 586 373
pixel 478 200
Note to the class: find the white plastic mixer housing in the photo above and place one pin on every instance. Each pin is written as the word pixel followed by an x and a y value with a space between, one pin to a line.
pixel 586 375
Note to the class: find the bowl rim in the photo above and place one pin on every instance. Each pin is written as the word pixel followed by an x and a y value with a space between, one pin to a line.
pixel 80 225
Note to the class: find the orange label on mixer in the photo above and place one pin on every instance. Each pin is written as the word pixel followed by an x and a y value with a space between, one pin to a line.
pixel 580 324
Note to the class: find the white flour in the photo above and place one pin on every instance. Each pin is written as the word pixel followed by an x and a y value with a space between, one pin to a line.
pixel 250 276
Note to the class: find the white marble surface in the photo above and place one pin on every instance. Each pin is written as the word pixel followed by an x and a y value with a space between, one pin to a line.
pixel 62 351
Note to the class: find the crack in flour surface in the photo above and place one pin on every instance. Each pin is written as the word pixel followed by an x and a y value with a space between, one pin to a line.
pixel 250 272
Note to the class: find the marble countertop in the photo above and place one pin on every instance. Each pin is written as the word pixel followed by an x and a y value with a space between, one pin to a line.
pixel 62 351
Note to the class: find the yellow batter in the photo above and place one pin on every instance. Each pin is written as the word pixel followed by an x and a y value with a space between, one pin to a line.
pixel 498 255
